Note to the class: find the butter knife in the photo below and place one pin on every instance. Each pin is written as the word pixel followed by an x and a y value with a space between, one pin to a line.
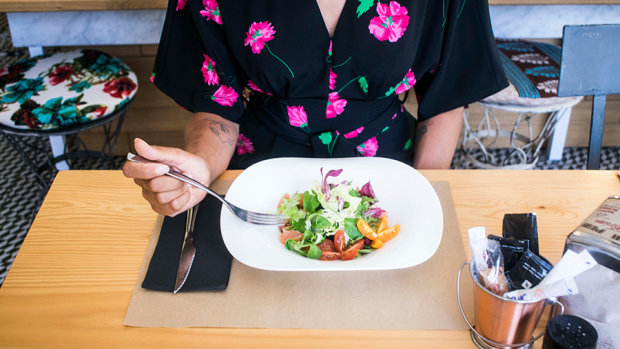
pixel 188 251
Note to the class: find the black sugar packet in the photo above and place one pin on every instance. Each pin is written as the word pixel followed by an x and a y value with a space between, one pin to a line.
pixel 528 272
pixel 519 226
pixel 512 250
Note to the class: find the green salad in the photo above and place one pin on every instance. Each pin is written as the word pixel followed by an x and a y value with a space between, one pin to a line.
pixel 334 221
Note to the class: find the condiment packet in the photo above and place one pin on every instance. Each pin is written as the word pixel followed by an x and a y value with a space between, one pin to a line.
pixel 559 288
pixel 488 261
pixel 512 250
pixel 571 264
pixel 519 226
pixel 529 271
pixel 560 280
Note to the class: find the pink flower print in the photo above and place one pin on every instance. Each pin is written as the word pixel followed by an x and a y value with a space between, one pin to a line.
pixel 257 37
pixel 211 11
pixel 332 79
pixel 244 145
pixel 354 133
pixel 255 88
pixel 391 22
pixel 208 71
pixel 226 96
pixel 368 148
pixel 152 78
pixel 258 34
pixel 394 116
pixel 407 83
pixel 297 116
pixel 335 105
pixel 181 4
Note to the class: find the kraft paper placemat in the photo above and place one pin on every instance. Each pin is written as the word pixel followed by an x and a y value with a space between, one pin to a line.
pixel 418 298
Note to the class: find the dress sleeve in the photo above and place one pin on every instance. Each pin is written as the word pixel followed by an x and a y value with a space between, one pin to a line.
pixel 193 64
pixel 458 62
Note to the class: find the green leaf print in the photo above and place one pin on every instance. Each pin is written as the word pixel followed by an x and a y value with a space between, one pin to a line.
pixel 326 138
pixel 363 84
pixel 408 145
pixel 58 113
pixel 364 6
pixel 23 90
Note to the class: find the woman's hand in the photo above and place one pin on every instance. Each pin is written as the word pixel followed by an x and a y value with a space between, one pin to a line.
pixel 167 195
pixel 210 142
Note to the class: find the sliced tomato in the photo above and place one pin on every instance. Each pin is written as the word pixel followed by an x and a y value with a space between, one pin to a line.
pixel 327 246
pixel 290 234
pixel 339 241
pixel 285 196
pixel 330 256
pixel 351 252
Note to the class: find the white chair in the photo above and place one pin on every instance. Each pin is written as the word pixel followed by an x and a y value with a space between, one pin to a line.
pixel 533 71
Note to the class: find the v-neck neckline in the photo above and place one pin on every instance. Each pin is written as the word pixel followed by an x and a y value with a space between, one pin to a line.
pixel 322 19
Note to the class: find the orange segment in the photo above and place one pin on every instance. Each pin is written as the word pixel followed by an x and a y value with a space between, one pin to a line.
pixel 365 229
pixel 389 233
pixel 383 224
pixel 376 244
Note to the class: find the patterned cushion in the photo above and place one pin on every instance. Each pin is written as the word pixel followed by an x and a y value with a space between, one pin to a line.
pixel 533 70
pixel 54 92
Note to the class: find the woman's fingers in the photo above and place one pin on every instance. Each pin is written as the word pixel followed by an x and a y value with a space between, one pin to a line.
pixel 172 156
pixel 161 184
pixel 144 171
pixel 177 205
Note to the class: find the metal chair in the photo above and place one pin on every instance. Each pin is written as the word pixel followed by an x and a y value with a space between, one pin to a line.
pixel 591 67
pixel 48 100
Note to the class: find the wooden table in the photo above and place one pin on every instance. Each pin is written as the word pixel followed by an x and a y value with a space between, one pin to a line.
pixel 72 281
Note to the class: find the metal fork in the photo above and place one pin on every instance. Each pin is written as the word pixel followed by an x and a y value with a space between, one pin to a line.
pixel 244 215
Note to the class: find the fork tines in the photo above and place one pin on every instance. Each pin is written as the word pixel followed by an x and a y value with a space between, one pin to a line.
pixel 265 219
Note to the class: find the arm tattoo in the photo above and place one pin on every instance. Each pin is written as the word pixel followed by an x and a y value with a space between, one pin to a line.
pixel 222 131
pixel 420 132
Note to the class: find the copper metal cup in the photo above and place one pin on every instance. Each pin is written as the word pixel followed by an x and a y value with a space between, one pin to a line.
pixel 502 322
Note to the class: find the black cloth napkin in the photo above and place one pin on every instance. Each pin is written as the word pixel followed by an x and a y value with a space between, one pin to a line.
pixel 211 267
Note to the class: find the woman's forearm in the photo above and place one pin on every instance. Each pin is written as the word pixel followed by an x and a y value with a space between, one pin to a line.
pixel 214 139
pixel 436 140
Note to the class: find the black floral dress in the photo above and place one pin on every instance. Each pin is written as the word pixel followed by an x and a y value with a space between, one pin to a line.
pixel 316 96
